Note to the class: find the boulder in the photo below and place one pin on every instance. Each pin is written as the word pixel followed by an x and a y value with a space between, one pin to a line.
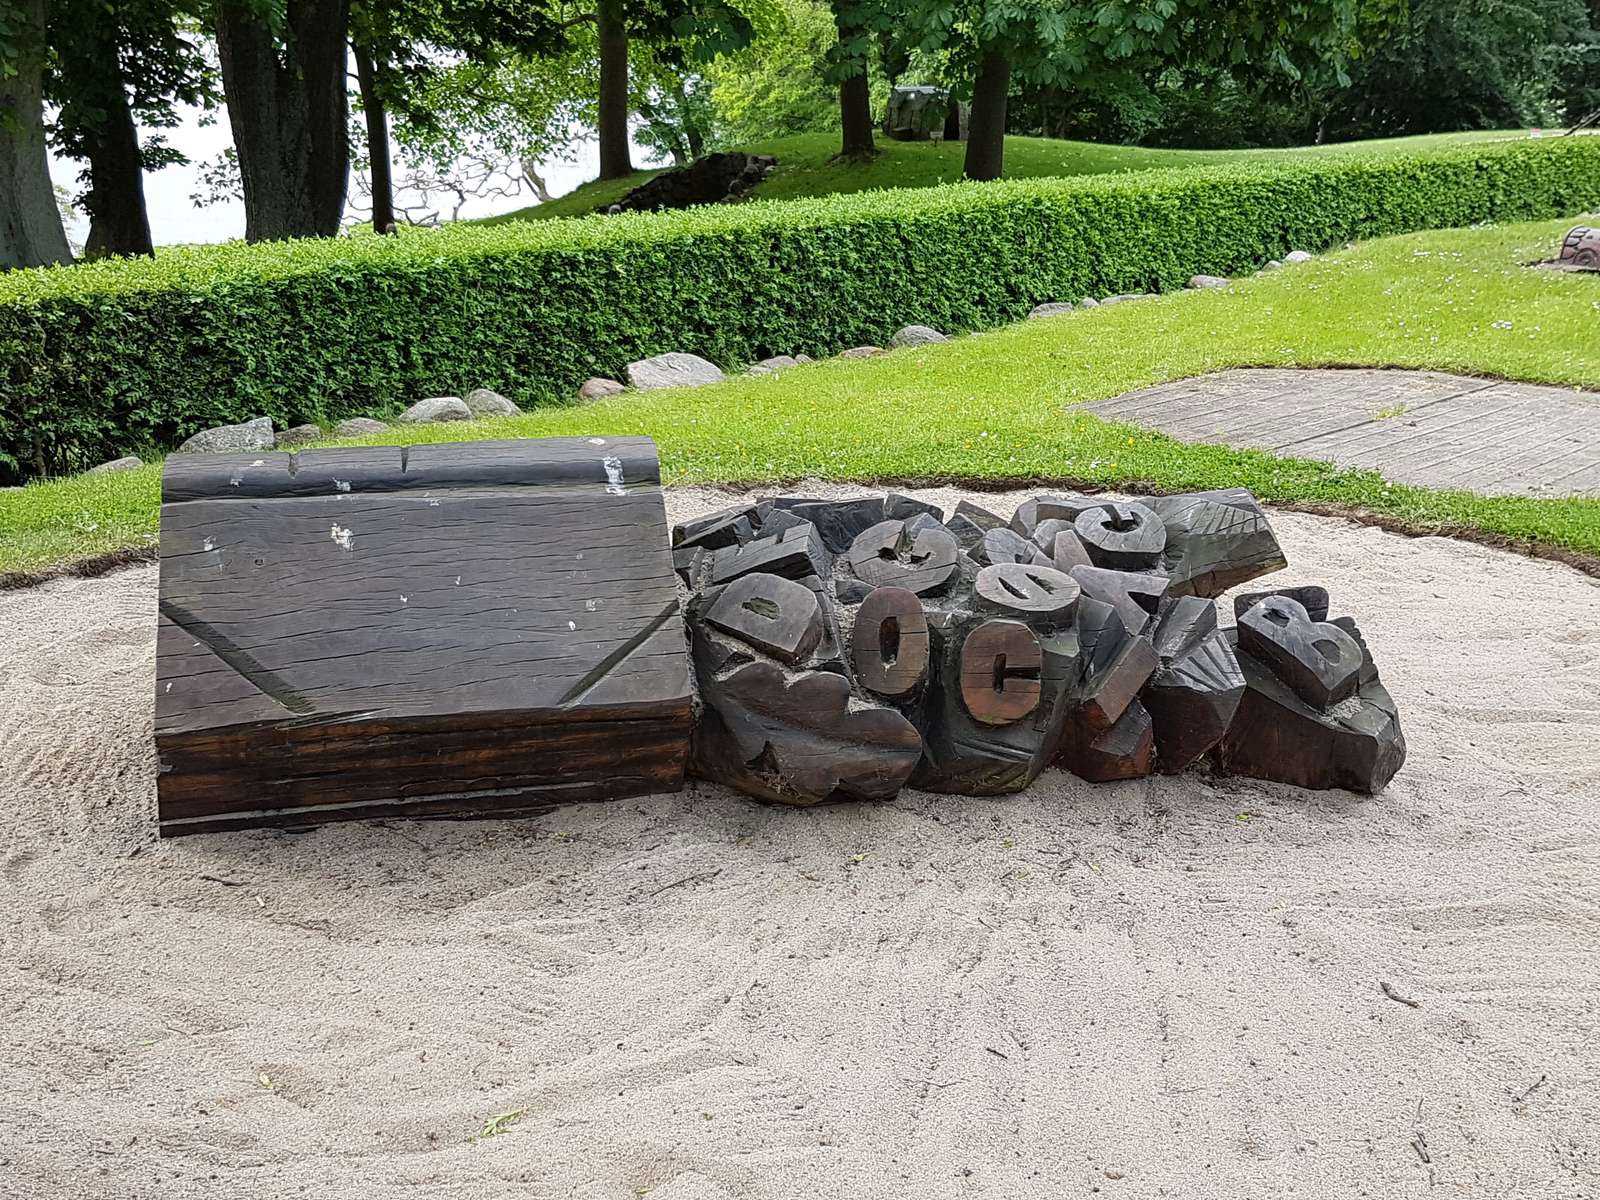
pixel 481 402
pixel 671 370
pixel 597 388
pixel 917 335
pixel 710 179
pixel 1272 265
pixel 247 435
pixel 358 427
pixel 128 463
pixel 1297 256
pixel 1200 282
pixel 1088 302
pixel 300 435
pixel 1125 296
pixel 862 352
pixel 1054 308
pixel 778 362
pixel 435 409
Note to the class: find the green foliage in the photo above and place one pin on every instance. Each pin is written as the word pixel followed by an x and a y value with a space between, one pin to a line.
pixel 1116 43
pixel 1463 64
pixel 142 352
pixel 777 85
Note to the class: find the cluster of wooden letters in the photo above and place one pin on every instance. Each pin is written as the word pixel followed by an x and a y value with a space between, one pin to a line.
pixel 847 649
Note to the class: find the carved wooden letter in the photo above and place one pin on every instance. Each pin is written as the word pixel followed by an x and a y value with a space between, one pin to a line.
pixel 1000 663
pixel 890 644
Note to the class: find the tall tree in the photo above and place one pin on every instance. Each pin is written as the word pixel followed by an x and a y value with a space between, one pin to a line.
pixel 855 89
pixel 1071 44
pixel 402 48
pixel 611 25
pixel 284 78
pixel 117 65
pixel 678 33
pixel 31 234
pixel 861 25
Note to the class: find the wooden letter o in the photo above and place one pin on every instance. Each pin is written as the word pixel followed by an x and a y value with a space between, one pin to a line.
pixel 889 645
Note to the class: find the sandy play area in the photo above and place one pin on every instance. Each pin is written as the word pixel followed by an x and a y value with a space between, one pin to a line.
pixel 1169 987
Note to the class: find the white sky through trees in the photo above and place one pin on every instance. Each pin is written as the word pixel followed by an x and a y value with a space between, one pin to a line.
pixel 175 218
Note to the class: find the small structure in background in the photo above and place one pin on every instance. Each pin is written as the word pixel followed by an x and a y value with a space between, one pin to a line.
pixel 922 113
pixel 714 179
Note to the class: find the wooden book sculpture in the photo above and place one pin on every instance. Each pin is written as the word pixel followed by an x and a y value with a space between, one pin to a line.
pixel 453 630
pixel 500 627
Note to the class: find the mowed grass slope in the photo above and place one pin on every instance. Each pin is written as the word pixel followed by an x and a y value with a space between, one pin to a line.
pixel 807 165
pixel 999 406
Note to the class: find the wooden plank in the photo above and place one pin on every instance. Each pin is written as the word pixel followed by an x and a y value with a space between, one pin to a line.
pixel 452 629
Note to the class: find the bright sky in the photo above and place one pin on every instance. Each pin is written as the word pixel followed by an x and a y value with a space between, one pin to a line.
pixel 176 218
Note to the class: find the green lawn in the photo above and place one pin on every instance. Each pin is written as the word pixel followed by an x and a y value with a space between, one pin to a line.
pixel 806 165
pixel 998 406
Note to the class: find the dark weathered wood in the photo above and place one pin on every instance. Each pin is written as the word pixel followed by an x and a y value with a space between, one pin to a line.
pixel 889 645
pixel 891 554
pixel 1215 541
pixel 1318 660
pixel 439 629
pixel 1027 590
pixel 1045 508
pixel 1068 551
pixel 1276 735
pixel 1194 693
pixel 979 516
pixel 1123 537
pixel 792 737
pixel 966 756
pixel 1000 546
pixel 776 615
pixel 1311 597
pixel 840 522
pixel 1000 663
pixel 794 554
pixel 1134 594
pixel 726 527
pixel 1125 751
pixel 1116 665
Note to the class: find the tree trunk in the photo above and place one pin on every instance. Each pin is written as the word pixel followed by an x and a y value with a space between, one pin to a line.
pixel 855 111
pixel 287 105
pixel 693 132
pixel 377 115
pixel 986 127
pixel 118 220
pixel 615 161
pixel 30 223
pixel 855 115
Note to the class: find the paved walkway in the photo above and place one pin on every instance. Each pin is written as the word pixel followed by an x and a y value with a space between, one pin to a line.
pixel 1446 431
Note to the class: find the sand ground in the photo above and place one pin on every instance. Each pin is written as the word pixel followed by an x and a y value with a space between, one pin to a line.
pixel 1160 988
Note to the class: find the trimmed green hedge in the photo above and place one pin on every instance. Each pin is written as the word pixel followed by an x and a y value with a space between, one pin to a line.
pixel 101 358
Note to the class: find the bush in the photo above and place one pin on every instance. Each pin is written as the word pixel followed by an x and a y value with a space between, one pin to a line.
pixel 111 355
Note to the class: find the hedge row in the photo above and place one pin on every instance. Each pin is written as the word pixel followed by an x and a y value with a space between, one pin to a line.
pixel 105 357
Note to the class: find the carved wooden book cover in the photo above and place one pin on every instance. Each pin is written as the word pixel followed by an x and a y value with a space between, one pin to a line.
pixel 446 630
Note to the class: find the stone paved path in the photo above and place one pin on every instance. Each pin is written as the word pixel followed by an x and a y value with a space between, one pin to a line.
pixel 1419 427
